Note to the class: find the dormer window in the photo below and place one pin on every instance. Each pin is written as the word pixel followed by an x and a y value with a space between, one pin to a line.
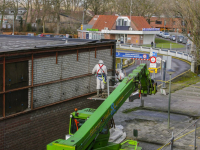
pixel 123 21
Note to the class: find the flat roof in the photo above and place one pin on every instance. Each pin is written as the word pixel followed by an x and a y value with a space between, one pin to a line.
pixel 9 43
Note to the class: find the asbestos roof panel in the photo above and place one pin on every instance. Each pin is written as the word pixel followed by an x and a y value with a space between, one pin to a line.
pixel 10 43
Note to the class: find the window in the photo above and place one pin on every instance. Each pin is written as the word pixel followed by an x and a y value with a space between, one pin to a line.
pixel 158 22
pixel 125 23
pixel 174 22
pixel 119 22
pixel 122 22
pixel 16 101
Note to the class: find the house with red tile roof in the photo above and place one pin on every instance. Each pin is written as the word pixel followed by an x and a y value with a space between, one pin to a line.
pixel 124 29
pixel 166 24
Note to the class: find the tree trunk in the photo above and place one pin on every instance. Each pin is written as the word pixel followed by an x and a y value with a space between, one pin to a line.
pixel 2 14
pixel 58 23
pixel 43 23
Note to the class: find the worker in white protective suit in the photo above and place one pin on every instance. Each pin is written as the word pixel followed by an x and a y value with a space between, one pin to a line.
pixel 101 73
pixel 119 75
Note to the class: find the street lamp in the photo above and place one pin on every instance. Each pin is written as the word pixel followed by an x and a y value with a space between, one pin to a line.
pixel 170 72
pixel 83 22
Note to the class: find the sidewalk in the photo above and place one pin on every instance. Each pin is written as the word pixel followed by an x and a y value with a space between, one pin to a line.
pixel 152 121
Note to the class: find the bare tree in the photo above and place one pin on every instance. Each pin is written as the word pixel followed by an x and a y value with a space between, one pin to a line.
pixel 26 4
pixel 189 13
pixel 2 9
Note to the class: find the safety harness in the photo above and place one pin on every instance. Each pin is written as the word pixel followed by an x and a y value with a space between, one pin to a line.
pixel 102 75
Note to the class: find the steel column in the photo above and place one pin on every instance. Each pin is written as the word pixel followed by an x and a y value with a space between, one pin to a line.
pixel 56 57
pixel 4 86
pixel 111 51
pixel 77 55
pixel 95 52
pixel 32 85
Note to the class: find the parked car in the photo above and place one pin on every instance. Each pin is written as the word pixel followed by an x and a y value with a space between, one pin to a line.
pixel 185 40
pixel 59 36
pixel 160 34
pixel 49 35
pixel 166 35
pixel 42 35
pixel 180 38
pixel 39 35
pixel 173 37
pixel 30 34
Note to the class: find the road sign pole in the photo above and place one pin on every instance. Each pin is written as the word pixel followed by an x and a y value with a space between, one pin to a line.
pixel 163 73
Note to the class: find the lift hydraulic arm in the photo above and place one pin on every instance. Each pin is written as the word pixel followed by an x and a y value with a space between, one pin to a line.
pixel 89 131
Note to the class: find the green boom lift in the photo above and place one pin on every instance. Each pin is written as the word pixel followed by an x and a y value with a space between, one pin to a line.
pixel 89 127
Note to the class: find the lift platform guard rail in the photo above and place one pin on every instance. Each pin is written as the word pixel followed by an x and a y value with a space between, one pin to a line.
pixel 93 132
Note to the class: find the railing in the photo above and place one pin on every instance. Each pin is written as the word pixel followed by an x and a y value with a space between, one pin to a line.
pixel 174 53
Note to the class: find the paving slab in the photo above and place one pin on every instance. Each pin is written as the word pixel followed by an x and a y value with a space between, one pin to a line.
pixel 152 122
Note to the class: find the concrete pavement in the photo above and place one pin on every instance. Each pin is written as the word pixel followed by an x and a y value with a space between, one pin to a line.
pixel 152 121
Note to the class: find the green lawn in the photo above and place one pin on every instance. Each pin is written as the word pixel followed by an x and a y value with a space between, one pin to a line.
pixel 161 43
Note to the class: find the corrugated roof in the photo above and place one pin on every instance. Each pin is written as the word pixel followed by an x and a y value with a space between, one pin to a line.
pixel 105 21
pixel 18 42
pixel 140 22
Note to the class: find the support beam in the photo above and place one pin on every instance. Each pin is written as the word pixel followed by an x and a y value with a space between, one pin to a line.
pixel 77 55
pixel 56 57
pixel 95 52
pixel 47 83
pixel 4 86
pixel 32 85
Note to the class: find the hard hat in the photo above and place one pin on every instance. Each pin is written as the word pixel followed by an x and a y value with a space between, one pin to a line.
pixel 101 62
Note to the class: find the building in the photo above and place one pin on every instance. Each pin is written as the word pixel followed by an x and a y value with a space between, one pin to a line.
pixel 134 30
pixel 167 24
pixel 9 16
pixel 41 82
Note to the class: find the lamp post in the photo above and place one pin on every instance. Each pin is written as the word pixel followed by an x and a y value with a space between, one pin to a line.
pixel 83 22
pixel 170 72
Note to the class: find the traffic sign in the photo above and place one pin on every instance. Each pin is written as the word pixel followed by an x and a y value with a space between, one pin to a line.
pixel 158 60
pixel 132 55
pixel 153 54
pixel 152 65
pixel 144 56
pixel 153 60
pixel 153 70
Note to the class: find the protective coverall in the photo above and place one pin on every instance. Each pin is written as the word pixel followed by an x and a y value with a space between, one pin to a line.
pixel 101 72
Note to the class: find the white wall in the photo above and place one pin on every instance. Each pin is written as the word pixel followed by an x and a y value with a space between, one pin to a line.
pixel 148 38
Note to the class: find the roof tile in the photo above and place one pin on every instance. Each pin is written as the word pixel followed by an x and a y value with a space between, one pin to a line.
pixel 105 21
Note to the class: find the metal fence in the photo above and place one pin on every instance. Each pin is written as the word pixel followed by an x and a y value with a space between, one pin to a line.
pixel 189 138
pixel 174 53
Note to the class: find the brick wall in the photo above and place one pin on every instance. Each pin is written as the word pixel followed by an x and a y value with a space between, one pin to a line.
pixel 80 35
pixel 34 130
pixel 134 39
pixel 109 36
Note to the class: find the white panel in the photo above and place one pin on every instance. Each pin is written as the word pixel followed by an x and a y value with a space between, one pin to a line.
pixel 46 70
pixel 147 39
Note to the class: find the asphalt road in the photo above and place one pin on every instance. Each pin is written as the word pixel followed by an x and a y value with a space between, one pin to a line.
pixel 177 65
